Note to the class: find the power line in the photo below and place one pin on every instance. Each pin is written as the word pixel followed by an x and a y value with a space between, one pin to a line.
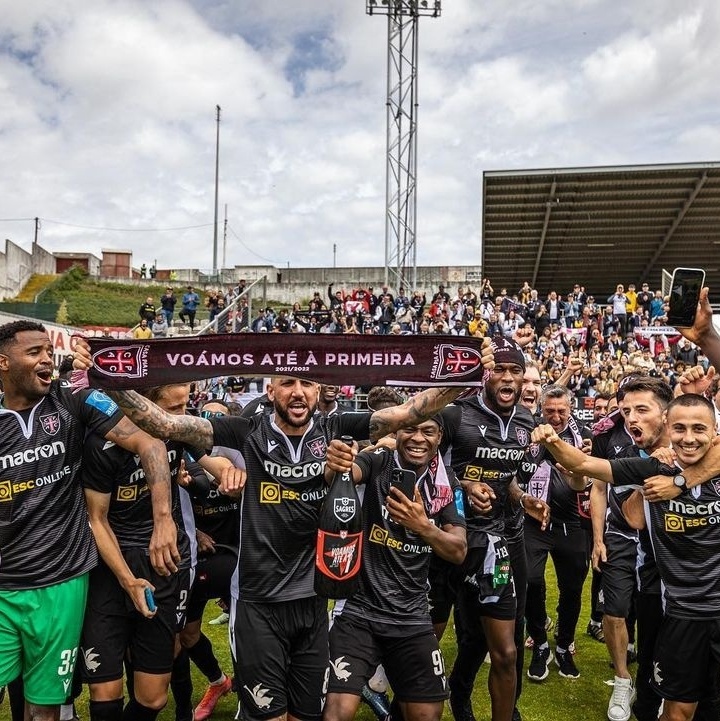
pixel 250 250
pixel 124 230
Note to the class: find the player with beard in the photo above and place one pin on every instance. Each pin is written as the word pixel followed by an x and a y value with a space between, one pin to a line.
pixel 387 619
pixel 685 542
pixel 47 546
pixel 278 624
pixel 485 440
pixel 565 539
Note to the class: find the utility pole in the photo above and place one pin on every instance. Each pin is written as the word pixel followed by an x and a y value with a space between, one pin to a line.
pixel 401 110
pixel 225 238
pixel 217 179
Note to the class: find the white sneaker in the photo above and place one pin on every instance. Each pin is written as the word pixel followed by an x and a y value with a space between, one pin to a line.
pixel 219 620
pixel 619 708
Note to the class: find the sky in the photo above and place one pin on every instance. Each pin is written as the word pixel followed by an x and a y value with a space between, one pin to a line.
pixel 108 121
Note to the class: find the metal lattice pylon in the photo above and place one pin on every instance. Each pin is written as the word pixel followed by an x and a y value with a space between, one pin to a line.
pixel 402 104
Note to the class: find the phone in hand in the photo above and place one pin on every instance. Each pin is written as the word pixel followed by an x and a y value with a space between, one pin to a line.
pixel 405 480
pixel 150 599
pixel 685 290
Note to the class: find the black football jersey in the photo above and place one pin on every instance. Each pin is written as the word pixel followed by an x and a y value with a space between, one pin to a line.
pixel 281 502
pixel 45 537
pixel 394 575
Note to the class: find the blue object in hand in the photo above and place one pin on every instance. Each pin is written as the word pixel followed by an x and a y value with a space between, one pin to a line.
pixel 150 599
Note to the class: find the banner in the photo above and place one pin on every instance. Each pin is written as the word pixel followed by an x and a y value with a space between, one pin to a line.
pixel 434 360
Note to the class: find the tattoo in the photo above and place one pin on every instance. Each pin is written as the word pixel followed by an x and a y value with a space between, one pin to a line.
pixel 417 410
pixel 153 420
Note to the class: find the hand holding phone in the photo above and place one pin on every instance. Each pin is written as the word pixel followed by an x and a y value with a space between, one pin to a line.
pixel 685 290
pixel 405 480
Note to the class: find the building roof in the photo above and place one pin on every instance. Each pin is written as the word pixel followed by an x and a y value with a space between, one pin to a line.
pixel 600 226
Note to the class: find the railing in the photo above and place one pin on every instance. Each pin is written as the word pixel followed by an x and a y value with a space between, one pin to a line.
pixel 222 317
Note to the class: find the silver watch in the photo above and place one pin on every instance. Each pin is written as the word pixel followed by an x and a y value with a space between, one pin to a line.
pixel 680 482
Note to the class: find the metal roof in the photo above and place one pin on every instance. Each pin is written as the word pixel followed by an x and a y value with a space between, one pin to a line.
pixel 600 226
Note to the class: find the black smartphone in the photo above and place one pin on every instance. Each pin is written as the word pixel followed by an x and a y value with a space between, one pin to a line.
pixel 685 290
pixel 404 480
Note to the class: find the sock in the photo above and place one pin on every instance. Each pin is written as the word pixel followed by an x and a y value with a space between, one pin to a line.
pixel 66 712
pixel 560 650
pixel 203 657
pixel 181 685
pixel 595 624
pixel 106 710
pixel 543 646
pixel 137 712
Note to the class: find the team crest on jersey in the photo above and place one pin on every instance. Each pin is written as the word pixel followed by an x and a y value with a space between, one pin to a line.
pixel 452 361
pixel 716 485
pixel 522 436
pixel 317 447
pixel 126 362
pixel 534 449
pixel 50 423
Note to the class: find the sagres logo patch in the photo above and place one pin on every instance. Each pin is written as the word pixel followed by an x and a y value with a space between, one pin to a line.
pixel 269 492
pixel 127 362
pixel 344 509
pixel 453 361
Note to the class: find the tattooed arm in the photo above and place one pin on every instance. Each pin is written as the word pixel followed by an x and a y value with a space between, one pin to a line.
pixel 194 431
pixel 422 406
pixel 153 457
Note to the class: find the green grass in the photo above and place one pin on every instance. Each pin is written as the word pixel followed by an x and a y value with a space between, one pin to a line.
pixel 556 699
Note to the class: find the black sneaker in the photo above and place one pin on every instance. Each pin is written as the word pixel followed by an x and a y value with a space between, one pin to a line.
pixel 461 708
pixel 516 715
pixel 595 630
pixel 538 669
pixel 566 665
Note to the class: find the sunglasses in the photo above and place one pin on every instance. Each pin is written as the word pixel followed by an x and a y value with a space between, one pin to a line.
pixel 212 414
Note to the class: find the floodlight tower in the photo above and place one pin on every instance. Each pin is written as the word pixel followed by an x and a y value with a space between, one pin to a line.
pixel 402 104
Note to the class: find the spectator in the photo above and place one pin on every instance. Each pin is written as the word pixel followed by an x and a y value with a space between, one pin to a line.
pixel 159 326
pixel 142 331
pixel 190 303
pixel 619 303
pixel 167 302
pixel 147 310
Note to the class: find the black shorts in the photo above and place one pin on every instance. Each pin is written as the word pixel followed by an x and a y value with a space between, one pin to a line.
pixel 488 586
pixel 619 575
pixel 112 625
pixel 410 655
pixel 212 580
pixel 686 659
pixel 280 652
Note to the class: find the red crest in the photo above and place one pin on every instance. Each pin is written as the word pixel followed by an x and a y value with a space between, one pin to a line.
pixel 452 361
pixel 128 362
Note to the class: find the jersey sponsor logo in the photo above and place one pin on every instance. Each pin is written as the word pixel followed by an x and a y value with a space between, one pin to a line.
pixel 522 436
pixel 127 362
pixel 10 489
pixel 271 492
pixel 303 470
pixel 271 445
pixel 340 668
pixel 472 473
pixel 382 537
pixel 344 509
pixel 102 403
pixel 483 430
pixel 260 696
pixel 617 449
pixel 126 493
pixel 527 467
pixel 317 447
pixel 91 659
pixel 710 508
pixel 31 455
pixel 503 454
pixel 452 361
pixel 50 423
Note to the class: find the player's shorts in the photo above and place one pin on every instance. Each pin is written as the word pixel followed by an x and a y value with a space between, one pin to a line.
pixel 113 625
pixel 686 659
pixel 39 637
pixel 410 655
pixel 280 651
pixel 212 580
pixel 618 575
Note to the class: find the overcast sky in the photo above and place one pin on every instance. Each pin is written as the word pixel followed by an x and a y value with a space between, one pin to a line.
pixel 107 117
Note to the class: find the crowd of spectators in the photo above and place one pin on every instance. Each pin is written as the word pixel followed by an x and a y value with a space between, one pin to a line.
pixel 602 339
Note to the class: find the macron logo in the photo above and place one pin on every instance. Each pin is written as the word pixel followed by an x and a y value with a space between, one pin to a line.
pixel 271 445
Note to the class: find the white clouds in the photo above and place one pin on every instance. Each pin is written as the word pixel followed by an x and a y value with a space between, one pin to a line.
pixel 109 116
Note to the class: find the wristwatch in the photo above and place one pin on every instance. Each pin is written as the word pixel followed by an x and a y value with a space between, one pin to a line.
pixel 680 482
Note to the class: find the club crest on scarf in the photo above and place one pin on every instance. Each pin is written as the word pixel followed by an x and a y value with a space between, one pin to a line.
pixel 129 361
pixel 452 361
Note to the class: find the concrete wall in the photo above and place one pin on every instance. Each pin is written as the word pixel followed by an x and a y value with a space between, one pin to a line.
pixel 17 265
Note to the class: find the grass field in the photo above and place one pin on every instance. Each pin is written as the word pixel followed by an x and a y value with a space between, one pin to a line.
pixel 556 699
